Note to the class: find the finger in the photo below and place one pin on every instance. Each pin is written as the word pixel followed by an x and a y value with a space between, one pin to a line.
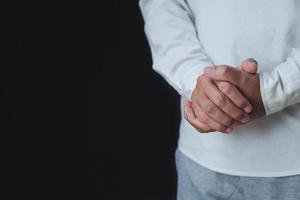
pixel 216 105
pixel 249 65
pixel 228 110
pixel 205 119
pixel 191 118
pixel 214 112
pixel 236 98
pixel 225 73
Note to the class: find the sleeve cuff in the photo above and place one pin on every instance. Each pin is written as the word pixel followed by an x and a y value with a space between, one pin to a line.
pixel 280 88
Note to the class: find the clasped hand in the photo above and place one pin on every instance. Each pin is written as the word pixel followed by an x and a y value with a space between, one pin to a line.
pixel 225 97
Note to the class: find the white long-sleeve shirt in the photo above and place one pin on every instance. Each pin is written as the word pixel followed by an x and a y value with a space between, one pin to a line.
pixel 185 36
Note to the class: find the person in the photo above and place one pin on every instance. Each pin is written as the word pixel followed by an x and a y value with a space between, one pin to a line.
pixel 236 65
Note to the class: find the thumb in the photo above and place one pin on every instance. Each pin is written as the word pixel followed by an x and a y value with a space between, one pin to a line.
pixel 249 65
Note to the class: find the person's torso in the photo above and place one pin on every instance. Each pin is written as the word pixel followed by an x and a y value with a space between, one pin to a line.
pixel 231 31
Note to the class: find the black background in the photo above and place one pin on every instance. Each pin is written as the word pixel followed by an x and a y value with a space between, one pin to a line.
pixel 83 115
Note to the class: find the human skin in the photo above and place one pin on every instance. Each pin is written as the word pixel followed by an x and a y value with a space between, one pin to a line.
pixel 220 99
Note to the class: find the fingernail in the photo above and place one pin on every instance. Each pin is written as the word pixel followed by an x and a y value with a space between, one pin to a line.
pixel 209 70
pixel 228 130
pixel 247 109
pixel 252 60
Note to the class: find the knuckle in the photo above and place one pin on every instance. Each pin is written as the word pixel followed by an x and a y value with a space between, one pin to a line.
pixel 203 118
pixel 201 79
pixel 220 100
pixel 239 101
pixel 225 87
pixel 224 71
pixel 209 109
pixel 194 93
pixel 201 83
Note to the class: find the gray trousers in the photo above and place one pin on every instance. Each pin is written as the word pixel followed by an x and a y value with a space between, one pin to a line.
pixel 196 182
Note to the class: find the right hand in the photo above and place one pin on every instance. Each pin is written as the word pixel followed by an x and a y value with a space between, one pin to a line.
pixel 218 105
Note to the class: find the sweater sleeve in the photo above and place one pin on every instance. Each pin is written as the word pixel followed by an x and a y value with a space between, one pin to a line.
pixel 280 87
pixel 176 50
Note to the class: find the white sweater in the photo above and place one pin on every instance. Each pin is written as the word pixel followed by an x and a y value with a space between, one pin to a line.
pixel 185 36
